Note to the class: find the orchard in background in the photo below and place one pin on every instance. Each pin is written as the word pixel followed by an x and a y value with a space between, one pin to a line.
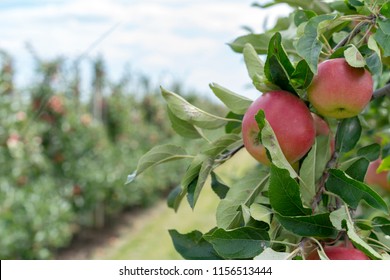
pixel 328 64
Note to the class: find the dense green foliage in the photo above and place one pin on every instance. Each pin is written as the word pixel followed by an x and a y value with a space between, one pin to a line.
pixel 63 160
pixel 285 211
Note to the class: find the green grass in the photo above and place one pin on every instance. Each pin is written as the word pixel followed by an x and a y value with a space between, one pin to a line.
pixel 148 237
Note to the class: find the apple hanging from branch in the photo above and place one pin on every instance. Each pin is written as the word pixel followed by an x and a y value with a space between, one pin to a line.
pixel 290 119
pixel 340 90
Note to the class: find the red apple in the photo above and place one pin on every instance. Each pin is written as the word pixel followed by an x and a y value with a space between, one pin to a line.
pixel 377 179
pixel 289 118
pixel 339 90
pixel 322 128
pixel 339 253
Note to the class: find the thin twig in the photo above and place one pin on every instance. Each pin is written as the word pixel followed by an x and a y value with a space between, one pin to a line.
pixel 381 92
pixel 351 35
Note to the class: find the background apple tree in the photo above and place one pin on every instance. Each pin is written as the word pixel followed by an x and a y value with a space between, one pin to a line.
pixel 283 210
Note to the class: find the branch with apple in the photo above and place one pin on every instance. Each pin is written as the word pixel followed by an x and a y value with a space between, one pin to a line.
pixel 314 193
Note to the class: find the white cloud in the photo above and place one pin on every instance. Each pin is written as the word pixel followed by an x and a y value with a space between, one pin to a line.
pixel 182 37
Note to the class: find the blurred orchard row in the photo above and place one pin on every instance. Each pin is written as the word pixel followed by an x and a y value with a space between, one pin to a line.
pixel 64 157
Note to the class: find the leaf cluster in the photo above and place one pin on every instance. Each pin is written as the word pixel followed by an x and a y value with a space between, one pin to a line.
pixel 273 211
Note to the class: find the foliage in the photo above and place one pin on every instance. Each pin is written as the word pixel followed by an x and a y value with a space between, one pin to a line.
pixel 281 208
pixel 63 155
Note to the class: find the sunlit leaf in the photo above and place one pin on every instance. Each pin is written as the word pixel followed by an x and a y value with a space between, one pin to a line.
pixel 184 110
pixel 158 155
pixel 309 46
pixel 354 57
pixel 183 128
pixel 243 192
pixel 236 103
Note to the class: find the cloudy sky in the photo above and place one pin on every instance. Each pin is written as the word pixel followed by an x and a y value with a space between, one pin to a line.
pixel 167 39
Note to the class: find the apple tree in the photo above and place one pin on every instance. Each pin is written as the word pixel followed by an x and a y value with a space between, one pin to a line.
pixel 319 124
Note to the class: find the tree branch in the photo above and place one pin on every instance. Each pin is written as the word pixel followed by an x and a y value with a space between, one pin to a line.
pixel 351 35
pixel 381 92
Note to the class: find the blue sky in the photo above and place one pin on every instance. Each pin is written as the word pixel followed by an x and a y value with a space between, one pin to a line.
pixel 167 39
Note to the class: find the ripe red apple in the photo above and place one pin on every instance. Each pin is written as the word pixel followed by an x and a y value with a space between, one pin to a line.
pixel 339 253
pixel 322 128
pixel 289 118
pixel 377 179
pixel 339 90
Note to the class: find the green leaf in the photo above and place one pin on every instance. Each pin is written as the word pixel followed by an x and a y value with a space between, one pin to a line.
pixel 276 74
pixel 342 221
pixel 243 192
pixel 174 198
pixel 192 173
pixel 258 41
pixel 276 49
pixel 221 144
pixel 260 213
pixel 383 40
pixel 374 61
pixel 385 165
pixel 348 134
pixel 355 3
pixel 270 142
pixel 323 154
pixel 353 191
pixel 382 224
pixel 302 16
pixel 220 188
pixel 370 152
pixel 354 57
pixel 233 127
pixel 236 103
pixel 278 67
pixel 183 128
pixel 284 194
pixel 307 176
pixel 384 24
pixel 240 243
pixel 254 64
pixel 385 10
pixel 302 76
pixel 269 254
pixel 158 155
pixel 358 169
pixel 315 226
pixel 192 246
pixel 309 46
pixel 191 114
pixel 195 187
